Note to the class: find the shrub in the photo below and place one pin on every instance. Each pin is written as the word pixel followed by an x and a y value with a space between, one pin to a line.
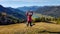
pixel 37 20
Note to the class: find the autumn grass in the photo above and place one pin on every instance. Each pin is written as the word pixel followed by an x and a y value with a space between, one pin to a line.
pixel 38 28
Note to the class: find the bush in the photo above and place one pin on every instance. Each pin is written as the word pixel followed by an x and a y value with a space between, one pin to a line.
pixel 58 20
pixel 42 19
pixel 37 20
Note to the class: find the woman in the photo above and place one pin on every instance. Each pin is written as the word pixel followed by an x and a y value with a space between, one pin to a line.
pixel 29 17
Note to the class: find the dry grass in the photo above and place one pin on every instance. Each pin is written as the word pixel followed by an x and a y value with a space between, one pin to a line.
pixel 38 28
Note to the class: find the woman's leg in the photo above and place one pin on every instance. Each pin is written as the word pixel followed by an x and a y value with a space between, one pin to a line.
pixel 30 23
pixel 27 23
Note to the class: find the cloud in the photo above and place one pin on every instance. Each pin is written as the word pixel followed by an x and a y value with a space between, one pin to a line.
pixel 25 0
pixel 32 1
pixel 9 0
pixel 38 1
pixel 17 3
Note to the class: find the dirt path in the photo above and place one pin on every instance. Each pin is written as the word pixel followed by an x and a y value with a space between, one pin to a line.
pixel 23 29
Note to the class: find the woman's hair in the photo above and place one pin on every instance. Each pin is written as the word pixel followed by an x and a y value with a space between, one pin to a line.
pixel 29 12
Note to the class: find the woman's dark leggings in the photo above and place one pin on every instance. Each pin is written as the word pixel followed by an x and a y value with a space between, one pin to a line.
pixel 29 23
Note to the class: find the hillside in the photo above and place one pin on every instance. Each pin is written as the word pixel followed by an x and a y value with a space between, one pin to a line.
pixel 53 11
pixel 6 19
pixel 17 13
pixel 13 12
pixel 38 28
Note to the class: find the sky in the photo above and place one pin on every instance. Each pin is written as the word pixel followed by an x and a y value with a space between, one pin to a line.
pixel 21 3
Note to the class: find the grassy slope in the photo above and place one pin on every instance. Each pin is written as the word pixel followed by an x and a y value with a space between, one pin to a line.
pixel 23 29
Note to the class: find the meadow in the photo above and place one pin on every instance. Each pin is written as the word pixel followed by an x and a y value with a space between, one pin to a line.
pixel 38 28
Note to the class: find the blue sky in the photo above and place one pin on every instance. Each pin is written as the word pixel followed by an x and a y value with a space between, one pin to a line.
pixel 21 3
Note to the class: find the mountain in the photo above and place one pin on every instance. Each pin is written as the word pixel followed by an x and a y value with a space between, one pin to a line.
pixel 13 12
pixel 49 10
pixel 2 8
pixel 33 8
pixel 17 13
pixel 53 11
